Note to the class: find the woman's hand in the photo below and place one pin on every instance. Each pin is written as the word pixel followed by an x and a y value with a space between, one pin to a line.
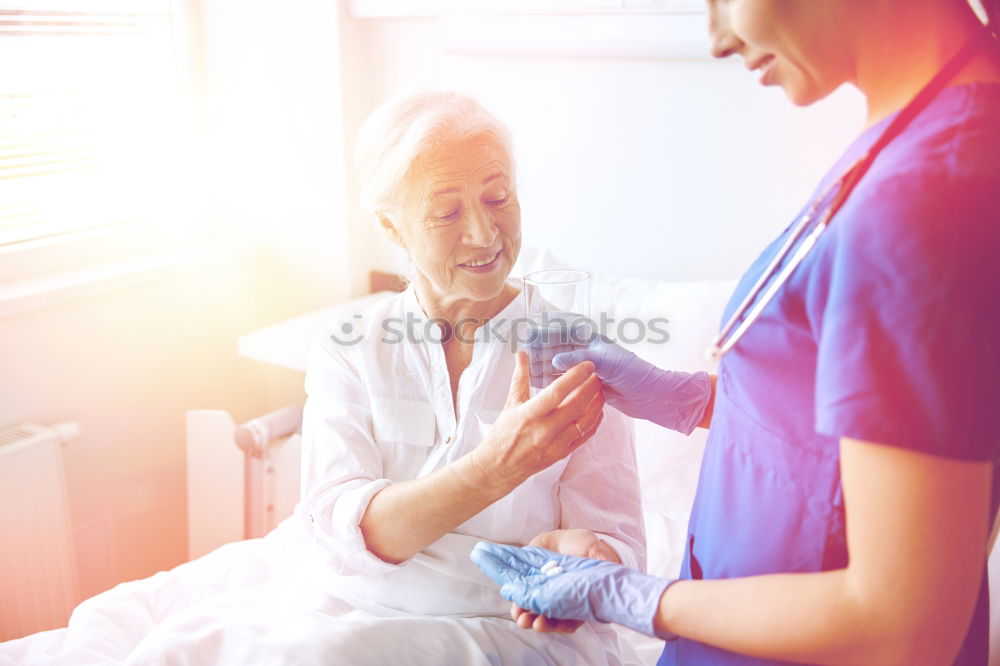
pixel 533 433
pixel 675 400
pixel 579 542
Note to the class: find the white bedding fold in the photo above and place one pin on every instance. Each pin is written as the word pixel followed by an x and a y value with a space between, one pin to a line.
pixel 268 602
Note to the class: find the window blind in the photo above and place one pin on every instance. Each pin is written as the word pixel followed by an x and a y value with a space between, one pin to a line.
pixel 91 129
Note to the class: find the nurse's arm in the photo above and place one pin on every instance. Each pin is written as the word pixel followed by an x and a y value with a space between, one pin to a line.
pixel 916 534
pixel 706 421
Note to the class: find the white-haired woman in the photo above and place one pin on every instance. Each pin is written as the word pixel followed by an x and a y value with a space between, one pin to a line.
pixel 419 436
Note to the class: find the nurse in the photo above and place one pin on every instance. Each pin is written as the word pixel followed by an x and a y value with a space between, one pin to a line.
pixel 849 483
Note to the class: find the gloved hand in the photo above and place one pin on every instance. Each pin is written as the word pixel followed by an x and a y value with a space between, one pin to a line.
pixel 585 589
pixel 568 541
pixel 675 400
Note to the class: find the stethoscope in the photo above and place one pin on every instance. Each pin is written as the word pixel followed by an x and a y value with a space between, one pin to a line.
pixel 772 278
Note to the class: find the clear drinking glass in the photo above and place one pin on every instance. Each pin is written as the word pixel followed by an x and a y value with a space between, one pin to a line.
pixel 557 310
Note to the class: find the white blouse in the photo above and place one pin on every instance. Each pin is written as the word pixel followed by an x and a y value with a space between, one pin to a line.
pixel 380 410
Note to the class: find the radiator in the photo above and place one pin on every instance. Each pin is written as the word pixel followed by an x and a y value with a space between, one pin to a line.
pixel 38 581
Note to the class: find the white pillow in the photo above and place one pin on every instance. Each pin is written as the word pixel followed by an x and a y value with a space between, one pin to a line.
pixel 669 462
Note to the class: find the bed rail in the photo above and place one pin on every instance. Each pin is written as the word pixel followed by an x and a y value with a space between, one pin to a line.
pixel 256 438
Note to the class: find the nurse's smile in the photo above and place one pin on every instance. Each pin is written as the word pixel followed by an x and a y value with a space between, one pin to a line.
pixel 766 67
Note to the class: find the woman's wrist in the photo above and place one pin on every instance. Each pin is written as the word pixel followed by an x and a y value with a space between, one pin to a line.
pixel 485 475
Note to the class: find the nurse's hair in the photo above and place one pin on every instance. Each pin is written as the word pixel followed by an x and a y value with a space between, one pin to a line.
pixel 398 133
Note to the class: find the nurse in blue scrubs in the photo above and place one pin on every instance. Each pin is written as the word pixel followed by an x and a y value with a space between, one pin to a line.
pixel 849 483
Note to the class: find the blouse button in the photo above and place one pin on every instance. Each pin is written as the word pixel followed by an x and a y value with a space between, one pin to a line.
pixel 448 440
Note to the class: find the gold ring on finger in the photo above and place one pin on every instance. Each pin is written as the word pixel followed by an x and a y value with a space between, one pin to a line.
pixel 579 429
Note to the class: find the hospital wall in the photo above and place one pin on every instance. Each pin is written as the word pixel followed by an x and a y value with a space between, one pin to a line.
pixel 125 364
pixel 635 155
pixel 126 356
pixel 672 167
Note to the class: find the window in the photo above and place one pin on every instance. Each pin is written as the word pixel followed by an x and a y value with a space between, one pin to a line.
pixel 93 128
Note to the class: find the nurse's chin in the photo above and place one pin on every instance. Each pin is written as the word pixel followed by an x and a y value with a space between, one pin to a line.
pixel 806 95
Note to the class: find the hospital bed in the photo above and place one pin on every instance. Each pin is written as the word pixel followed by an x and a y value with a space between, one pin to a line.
pixel 263 452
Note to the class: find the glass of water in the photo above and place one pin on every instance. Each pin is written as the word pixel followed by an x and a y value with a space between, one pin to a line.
pixel 557 310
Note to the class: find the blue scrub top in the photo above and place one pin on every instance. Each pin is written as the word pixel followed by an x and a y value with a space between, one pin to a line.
pixel 888 332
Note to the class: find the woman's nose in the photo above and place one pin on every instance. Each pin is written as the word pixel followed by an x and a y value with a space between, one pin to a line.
pixel 481 230
pixel 724 42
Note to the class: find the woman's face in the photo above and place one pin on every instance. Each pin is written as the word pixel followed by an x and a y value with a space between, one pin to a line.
pixel 460 219
pixel 800 45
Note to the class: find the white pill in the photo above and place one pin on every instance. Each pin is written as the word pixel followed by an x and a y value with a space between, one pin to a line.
pixel 554 571
pixel 548 566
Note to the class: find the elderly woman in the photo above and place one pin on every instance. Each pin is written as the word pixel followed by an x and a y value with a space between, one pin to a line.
pixel 419 439
pixel 419 436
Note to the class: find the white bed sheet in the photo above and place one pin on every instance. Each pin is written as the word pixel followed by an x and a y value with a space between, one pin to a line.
pixel 258 602
pixel 107 627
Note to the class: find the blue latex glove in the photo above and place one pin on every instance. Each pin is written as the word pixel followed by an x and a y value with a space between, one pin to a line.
pixel 675 400
pixel 592 590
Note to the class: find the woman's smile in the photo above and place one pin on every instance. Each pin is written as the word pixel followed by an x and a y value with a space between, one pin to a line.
pixel 483 264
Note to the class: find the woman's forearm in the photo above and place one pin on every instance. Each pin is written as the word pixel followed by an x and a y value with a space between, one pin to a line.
pixel 404 518
pixel 804 617
pixel 706 420
pixel 529 435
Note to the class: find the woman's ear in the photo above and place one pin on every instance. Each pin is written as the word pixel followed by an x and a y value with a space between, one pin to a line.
pixel 391 231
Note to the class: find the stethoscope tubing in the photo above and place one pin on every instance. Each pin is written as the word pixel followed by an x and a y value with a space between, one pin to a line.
pixel 751 307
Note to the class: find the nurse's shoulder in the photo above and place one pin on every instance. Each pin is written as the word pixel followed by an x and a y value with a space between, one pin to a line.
pixel 933 195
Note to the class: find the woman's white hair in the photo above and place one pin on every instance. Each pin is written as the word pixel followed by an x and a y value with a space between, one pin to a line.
pixel 397 133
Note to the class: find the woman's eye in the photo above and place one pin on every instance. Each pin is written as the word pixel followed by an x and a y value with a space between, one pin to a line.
pixel 498 200
pixel 446 216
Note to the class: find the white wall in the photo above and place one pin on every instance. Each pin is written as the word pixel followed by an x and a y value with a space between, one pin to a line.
pixel 670 167
pixel 632 159
pixel 126 364
pixel 127 360
pixel 273 105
